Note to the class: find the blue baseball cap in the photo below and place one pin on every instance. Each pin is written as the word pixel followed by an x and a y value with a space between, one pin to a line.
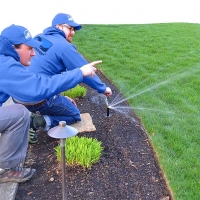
pixel 19 35
pixel 62 18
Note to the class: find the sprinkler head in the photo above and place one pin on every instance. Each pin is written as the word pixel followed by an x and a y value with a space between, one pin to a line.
pixel 108 111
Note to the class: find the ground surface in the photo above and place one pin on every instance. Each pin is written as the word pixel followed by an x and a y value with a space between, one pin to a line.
pixel 127 169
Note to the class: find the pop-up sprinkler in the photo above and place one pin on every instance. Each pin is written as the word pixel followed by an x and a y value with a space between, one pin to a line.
pixel 108 111
pixel 108 108
pixel 62 131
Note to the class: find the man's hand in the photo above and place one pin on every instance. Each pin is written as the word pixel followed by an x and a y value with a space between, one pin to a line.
pixel 108 92
pixel 71 100
pixel 89 69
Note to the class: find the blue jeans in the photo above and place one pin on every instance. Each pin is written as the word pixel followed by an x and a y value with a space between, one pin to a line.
pixel 58 108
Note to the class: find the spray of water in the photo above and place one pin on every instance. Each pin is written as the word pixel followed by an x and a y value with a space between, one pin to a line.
pixel 140 108
pixel 157 85
pixel 175 60
pixel 114 105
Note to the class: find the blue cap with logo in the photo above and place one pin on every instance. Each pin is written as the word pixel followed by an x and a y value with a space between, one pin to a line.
pixel 19 35
pixel 62 18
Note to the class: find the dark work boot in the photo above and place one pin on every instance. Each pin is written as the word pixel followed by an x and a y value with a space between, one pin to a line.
pixel 32 131
pixel 39 121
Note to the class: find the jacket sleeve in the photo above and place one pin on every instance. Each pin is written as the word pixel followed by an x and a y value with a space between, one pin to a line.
pixel 72 60
pixel 18 83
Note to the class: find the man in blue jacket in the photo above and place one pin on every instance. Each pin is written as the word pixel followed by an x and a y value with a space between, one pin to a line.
pixel 57 55
pixel 16 51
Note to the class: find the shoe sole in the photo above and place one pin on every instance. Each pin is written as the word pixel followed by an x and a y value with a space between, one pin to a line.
pixel 32 142
pixel 30 139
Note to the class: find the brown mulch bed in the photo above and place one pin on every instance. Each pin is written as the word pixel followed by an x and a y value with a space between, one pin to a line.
pixel 127 169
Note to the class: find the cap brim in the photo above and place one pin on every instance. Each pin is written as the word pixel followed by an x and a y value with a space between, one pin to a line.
pixel 75 25
pixel 33 43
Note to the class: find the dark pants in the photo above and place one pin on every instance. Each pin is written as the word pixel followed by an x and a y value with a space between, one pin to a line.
pixel 57 108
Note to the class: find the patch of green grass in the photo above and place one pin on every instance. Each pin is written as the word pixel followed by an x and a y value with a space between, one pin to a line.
pixel 157 68
pixel 78 91
pixel 81 151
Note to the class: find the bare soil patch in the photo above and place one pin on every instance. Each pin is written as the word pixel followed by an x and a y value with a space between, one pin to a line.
pixel 127 169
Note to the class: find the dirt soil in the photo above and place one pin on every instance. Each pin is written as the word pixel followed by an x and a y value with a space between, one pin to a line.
pixel 127 170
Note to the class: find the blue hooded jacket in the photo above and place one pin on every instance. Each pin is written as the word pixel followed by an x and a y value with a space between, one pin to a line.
pixel 56 55
pixel 17 82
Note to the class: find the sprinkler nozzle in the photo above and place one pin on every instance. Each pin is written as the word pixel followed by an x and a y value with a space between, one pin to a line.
pixel 108 107
pixel 108 111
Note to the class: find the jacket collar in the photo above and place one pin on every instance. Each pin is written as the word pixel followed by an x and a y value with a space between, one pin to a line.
pixel 53 30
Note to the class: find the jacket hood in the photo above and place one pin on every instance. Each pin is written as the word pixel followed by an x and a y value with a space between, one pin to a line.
pixel 53 30
pixel 7 49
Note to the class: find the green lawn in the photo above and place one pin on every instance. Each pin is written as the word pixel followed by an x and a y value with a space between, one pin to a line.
pixel 157 68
